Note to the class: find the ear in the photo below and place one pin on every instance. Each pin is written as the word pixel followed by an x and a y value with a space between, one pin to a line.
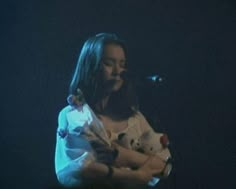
pixel 164 140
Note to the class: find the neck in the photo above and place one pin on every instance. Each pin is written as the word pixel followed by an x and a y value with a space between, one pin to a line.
pixel 104 101
pixel 102 104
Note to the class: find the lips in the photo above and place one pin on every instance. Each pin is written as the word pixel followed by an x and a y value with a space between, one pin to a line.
pixel 116 78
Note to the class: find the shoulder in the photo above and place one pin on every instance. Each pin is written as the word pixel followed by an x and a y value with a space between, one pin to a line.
pixel 69 112
pixel 139 115
pixel 65 110
pixel 143 123
pixel 62 120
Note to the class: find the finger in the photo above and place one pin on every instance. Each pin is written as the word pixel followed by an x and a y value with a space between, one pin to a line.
pixel 154 165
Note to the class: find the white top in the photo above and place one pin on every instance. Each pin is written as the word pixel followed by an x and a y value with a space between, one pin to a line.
pixel 73 151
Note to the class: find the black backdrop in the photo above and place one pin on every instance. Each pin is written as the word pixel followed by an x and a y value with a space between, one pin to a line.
pixel 190 43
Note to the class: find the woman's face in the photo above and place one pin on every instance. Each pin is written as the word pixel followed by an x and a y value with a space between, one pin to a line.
pixel 113 63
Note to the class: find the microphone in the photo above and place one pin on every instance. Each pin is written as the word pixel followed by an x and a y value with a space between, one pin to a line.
pixel 154 79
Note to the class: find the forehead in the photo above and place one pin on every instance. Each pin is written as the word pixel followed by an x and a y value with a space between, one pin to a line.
pixel 114 50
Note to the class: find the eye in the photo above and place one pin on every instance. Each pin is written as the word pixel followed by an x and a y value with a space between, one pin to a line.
pixel 108 63
pixel 123 64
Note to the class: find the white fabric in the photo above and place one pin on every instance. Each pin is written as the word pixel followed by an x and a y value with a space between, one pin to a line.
pixel 73 152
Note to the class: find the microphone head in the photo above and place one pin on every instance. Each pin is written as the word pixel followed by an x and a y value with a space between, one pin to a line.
pixel 155 78
pixel 138 80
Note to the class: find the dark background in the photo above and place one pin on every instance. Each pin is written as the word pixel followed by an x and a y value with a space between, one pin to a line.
pixel 189 43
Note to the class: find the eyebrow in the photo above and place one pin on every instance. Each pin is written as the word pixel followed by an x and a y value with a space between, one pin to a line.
pixel 113 59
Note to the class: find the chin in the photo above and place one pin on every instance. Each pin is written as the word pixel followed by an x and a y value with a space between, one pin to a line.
pixel 116 87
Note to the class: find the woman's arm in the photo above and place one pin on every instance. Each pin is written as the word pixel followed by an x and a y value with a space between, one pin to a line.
pixel 133 159
pixel 119 156
pixel 99 171
pixel 145 166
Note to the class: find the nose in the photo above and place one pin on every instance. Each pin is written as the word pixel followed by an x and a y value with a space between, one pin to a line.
pixel 116 70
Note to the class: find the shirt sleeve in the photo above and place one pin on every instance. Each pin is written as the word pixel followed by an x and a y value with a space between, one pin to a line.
pixel 73 152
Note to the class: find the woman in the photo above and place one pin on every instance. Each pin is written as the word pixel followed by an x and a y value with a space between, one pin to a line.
pixel 102 108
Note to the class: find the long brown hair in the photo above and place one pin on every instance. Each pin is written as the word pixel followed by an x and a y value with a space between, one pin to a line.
pixel 87 77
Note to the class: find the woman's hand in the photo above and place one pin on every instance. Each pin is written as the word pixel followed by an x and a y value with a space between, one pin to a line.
pixel 147 171
pixel 133 159
pixel 152 166
pixel 104 153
